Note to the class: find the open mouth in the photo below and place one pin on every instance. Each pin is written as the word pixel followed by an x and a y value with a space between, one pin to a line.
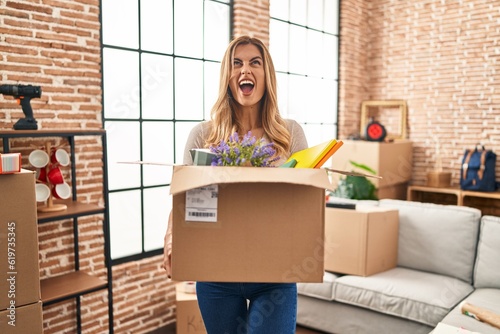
pixel 246 86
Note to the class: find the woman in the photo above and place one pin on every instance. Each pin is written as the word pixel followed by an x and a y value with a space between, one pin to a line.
pixel 247 101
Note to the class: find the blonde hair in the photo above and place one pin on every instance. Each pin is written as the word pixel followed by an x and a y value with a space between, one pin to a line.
pixel 224 121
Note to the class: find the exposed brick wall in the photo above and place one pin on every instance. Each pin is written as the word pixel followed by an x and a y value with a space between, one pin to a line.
pixel 441 57
pixel 251 17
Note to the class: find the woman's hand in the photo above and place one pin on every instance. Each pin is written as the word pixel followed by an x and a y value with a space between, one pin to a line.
pixel 167 249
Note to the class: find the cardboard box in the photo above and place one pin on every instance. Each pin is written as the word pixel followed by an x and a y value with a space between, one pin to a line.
pixel 392 161
pixel 361 242
pixel 22 320
pixel 439 179
pixel 188 315
pixel 19 268
pixel 262 224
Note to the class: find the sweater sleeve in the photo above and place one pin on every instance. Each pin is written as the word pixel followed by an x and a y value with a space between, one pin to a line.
pixel 196 139
pixel 297 135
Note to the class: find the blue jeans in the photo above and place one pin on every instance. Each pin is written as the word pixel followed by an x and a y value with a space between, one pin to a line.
pixel 271 307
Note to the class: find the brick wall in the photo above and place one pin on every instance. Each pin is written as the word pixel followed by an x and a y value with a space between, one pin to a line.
pixel 441 57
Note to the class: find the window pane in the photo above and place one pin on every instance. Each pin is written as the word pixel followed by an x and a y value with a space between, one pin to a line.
pixel 125 223
pixel 123 142
pixel 331 16
pixel 298 12
pixel 120 27
pixel 297 51
pixel 157 138
pixel 322 100
pixel 282 82
pixel 157 86
pixel 188 28
pixel 156 25
pixel 216 35
pixel 121 83
pixel 157 206
pixel 188 89
pixel 315 62
pixel 319 133
pixel 211 87
pixel 331 57
pixel 279 9
pixel 278 44
pixel 315 14
pixel 297 100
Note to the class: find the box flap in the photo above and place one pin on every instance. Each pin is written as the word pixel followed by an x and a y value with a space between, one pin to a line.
pixel 190 177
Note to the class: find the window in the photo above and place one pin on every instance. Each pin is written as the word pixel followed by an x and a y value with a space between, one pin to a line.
pixel 156 56
pixel 304 41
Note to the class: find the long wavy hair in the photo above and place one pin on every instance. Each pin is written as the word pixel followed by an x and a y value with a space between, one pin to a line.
pixel 224 120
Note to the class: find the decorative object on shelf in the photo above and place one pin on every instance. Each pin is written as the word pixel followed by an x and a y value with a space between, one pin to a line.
pixel 478 170
pixel 375 131
pixel 366 115
pixel 49 177
pixel 438 178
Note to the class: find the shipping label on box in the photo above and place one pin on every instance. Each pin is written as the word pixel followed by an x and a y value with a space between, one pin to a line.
pixel 269 228
pixel 362 241
pixel 201 204
pixel 19 267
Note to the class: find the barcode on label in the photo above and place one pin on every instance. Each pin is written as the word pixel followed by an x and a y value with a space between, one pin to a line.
pixel 201 214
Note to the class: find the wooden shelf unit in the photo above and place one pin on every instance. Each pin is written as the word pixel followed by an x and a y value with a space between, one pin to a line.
pixel 487 202
pixel 77 283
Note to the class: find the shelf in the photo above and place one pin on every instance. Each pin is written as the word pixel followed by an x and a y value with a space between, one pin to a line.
pixel 77 283
pixel 487 202
pixel 50 133
pixel 70 285
pixel 75 209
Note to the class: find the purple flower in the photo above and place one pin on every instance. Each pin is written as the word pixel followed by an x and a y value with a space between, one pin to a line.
pixel 247 151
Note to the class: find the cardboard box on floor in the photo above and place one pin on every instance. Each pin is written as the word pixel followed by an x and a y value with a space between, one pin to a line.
pixel 361 242
pixel 19 268
pixel 188 315
pixel 268 226
pixel 26 319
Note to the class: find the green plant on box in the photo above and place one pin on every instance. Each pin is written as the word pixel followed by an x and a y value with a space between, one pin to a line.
pixel 356 187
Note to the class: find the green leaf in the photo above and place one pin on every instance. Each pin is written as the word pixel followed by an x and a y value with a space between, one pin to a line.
pixel 363 167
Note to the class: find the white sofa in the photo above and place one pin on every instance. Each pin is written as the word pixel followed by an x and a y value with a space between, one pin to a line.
pixel 446 254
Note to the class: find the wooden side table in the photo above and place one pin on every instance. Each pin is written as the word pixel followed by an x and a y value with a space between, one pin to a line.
pixel 417 193
pixel 487 202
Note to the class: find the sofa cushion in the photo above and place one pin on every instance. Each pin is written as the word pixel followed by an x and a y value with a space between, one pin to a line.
pixel 419 296
pixel 319 290
pixel 484 298
pixel 486 272
pixel 436 238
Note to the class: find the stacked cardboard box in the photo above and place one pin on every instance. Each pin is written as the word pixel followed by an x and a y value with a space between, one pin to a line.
pixel 392 161
pixel 20 305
